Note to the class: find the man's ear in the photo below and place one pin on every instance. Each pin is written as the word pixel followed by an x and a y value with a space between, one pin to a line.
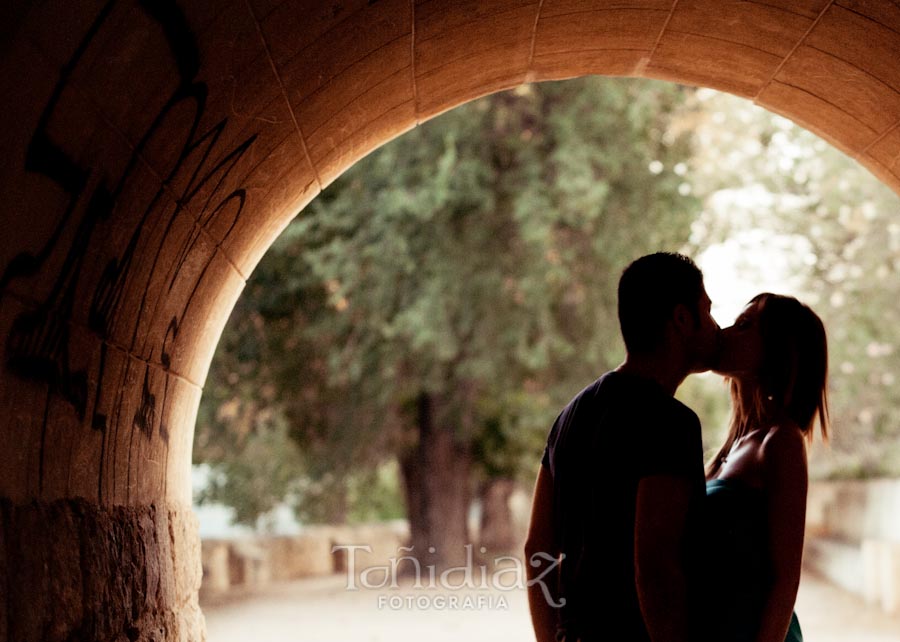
pixel 682 319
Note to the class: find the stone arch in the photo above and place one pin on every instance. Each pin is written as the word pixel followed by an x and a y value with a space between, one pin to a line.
pixel 154 150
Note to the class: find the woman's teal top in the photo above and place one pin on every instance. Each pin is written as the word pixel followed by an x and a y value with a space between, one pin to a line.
pixel 737 565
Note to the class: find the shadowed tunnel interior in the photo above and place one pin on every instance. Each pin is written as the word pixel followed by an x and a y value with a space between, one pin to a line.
pixel 152 151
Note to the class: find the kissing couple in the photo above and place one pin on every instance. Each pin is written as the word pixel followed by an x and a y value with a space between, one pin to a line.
pixel 647 545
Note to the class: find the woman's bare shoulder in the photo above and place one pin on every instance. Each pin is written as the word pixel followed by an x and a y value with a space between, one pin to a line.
pixel 784 447
pixel 785 429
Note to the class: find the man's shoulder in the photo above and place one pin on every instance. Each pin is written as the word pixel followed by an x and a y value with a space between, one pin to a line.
pixel 658 407
pixel 646 395
pixel 590 391
pixel 641 397
pixel 682 413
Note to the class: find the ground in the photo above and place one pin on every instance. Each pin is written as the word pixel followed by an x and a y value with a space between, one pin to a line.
pixel 323 610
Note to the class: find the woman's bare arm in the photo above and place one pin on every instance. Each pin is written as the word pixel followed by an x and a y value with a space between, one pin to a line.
pixel 786 481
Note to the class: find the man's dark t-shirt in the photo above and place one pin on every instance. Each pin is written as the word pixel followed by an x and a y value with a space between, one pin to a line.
pixel 616 431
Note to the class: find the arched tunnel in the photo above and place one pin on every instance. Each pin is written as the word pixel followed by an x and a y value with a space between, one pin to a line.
pixel 153 150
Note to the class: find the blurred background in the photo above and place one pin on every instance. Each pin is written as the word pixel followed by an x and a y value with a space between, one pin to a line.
pixel 389 376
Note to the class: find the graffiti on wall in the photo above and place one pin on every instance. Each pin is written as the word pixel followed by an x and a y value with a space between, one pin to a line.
pixel 39 345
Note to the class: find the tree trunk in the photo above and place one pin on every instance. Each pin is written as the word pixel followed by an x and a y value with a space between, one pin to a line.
pixel 411 470
pixel 436 480
pixel 497 531
pixel 337 507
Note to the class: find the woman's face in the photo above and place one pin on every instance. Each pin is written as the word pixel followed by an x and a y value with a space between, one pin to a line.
pixel 741 345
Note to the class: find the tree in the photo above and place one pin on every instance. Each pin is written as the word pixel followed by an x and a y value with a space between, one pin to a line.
pixel 479 254
pixel 448 294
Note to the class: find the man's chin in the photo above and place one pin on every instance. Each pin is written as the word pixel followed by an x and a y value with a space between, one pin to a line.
pixel 714 364
pixel 705 365
pixel 700 368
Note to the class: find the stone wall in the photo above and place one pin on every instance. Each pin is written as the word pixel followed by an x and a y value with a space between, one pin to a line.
pixel 70 570
pixel 856 510
pixel 853 537
pixel 251 563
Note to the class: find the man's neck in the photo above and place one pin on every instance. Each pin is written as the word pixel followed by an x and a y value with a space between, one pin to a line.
pixel 660 369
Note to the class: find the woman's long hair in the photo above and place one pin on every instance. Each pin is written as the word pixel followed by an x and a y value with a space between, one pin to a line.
pixel 792 378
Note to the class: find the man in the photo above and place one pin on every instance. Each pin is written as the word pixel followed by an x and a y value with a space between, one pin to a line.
pixel 621 479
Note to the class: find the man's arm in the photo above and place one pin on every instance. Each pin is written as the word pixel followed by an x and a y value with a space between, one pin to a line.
pixel 659 538
pixel 541 545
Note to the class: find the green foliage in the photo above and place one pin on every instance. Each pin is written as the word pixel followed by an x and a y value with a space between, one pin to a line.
pixel 475 259
pixel 254 482
pixel 478 255
pixel 779 194
pixel 375 495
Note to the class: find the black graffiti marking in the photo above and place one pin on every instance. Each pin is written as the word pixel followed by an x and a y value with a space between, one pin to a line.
pixel 171 332
pixel 144 418
pixel 38 346
pixel 145 415
pixel 228 163
pixel 108 293
pixel 99 421
pixel 178 33
pixel 163 427
pixel 238 195
pixel 38 343
pixel 43 444
pixel 223 169
pixel 121 389
pixel 38 350
pixel 46 157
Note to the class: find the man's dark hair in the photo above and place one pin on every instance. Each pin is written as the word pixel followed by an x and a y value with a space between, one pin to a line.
pixel 649 290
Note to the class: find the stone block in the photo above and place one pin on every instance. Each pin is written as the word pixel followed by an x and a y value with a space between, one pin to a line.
pixel 249 563
pixel 890 579
pixel 305 555
pixel 84 572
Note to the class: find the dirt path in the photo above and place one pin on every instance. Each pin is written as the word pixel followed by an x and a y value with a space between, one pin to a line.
pixel 829 614
pixel 322 610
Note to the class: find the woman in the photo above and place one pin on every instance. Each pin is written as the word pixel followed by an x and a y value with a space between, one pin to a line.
pixel 776 358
